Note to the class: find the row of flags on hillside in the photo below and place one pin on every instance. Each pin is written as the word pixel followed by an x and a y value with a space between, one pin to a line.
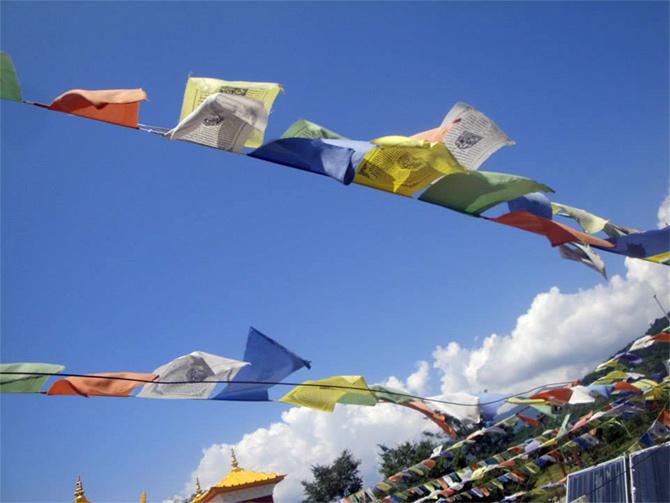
pixel 438 166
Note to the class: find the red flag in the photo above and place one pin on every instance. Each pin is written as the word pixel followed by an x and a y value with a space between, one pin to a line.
pixel 87 386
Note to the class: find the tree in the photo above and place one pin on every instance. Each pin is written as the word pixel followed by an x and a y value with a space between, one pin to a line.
pixel 332 482
pixel 394 459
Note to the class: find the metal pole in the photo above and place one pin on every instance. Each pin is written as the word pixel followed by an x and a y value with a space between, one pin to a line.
pixel 665 312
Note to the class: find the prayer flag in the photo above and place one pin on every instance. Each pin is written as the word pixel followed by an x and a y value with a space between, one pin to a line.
pixel 187 372
pixel 556 233
pixel 587 221
pixel 473 137
pixel 269 362
pixel 115 106
pixel 336 389
pixel 584 255
pixel 305 129
pixel 403 165
pixel 199 88
pixel 439 419
pixel 647 245
pixel 25 383
pixel 317 156
pixel 9 83
pixel 223 121
pixel 474 192
pixel 535 203
pixel 560 395
pixel 467 411
pixel 580 395
pixel 393 395
pixel 116 385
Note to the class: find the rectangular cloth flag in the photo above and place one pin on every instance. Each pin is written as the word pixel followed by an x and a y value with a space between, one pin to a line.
pixel 199 88
pixel 115 106
pixel 306 129
pixel 650 245
pixel 188 371
pixel 107 384
pixel 269 362
pixel 463 406
pixel 403 165
pixel 223 121
pixel 336 390
pixel 25 383
pixel 587 221
pixel 9 84
pixel 584 255
pixel 556 233
pixel 474 137
pixel 473 192
pixel 316 156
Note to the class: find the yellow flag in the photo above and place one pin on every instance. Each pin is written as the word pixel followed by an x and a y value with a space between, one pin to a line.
pixel 405 165
pixel 198 88
pixel 325 393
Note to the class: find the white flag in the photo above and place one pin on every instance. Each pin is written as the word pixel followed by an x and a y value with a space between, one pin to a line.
pixel 223 121
pixel 474 137
pixel 191 369
pixel 466 413
pixel 583 254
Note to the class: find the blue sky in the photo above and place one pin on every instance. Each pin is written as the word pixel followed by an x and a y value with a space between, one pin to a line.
pixel 121 251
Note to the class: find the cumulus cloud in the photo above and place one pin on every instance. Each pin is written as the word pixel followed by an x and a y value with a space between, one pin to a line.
pixel 561 336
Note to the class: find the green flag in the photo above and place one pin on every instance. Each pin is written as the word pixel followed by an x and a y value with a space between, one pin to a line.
pixel 9 84
pixel 17 383
pixel 391 394
pixel 473 192
pixel 306 129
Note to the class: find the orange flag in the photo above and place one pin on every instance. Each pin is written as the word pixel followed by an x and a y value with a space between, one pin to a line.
pixel 116 106
pixel 87 386
pixel 556 233
pixel 437 418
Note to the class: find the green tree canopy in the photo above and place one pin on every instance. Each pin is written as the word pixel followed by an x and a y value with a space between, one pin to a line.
pixel 394 459
pixel 332 482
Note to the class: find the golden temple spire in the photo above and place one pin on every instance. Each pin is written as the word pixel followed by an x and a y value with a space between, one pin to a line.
pixel 143 497
pixel 79 496
pixel 233 460
pixel 198 489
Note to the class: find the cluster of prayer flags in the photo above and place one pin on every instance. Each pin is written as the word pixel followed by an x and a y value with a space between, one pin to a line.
pixel 438 166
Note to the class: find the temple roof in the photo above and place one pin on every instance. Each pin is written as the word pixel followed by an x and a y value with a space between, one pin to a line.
pixel 238 478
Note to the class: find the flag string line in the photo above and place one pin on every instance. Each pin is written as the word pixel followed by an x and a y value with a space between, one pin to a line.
pixel 277 383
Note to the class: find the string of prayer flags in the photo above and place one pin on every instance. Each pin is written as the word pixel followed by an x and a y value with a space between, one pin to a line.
pixel 303 128
pixel 223 121
pixel 323 157
pixel 587 221
pixel 473 137
pixel 403 165
pixel 473 192
pixel 535 203
pixel 325 398
pixel 269 361
pixel 9 83
pixel 115 106
pixel 97 385
pixel 621 358
pixel 199 88
pixel 197 366
pixel 26 383
pixel 556 233
pixel 584 255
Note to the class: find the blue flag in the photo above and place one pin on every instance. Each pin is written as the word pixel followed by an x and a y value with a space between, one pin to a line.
pixel 334 158
pixel 270 362
pixel 535 202
pixel 641 244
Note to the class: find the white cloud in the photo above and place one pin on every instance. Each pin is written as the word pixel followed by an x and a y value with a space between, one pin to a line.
pixel 560 337
pixel 305 437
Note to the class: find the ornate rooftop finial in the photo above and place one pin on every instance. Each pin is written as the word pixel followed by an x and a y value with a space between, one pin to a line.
pixel 79 496
pixel 233 459
pixel 143 497
pixel 198 489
